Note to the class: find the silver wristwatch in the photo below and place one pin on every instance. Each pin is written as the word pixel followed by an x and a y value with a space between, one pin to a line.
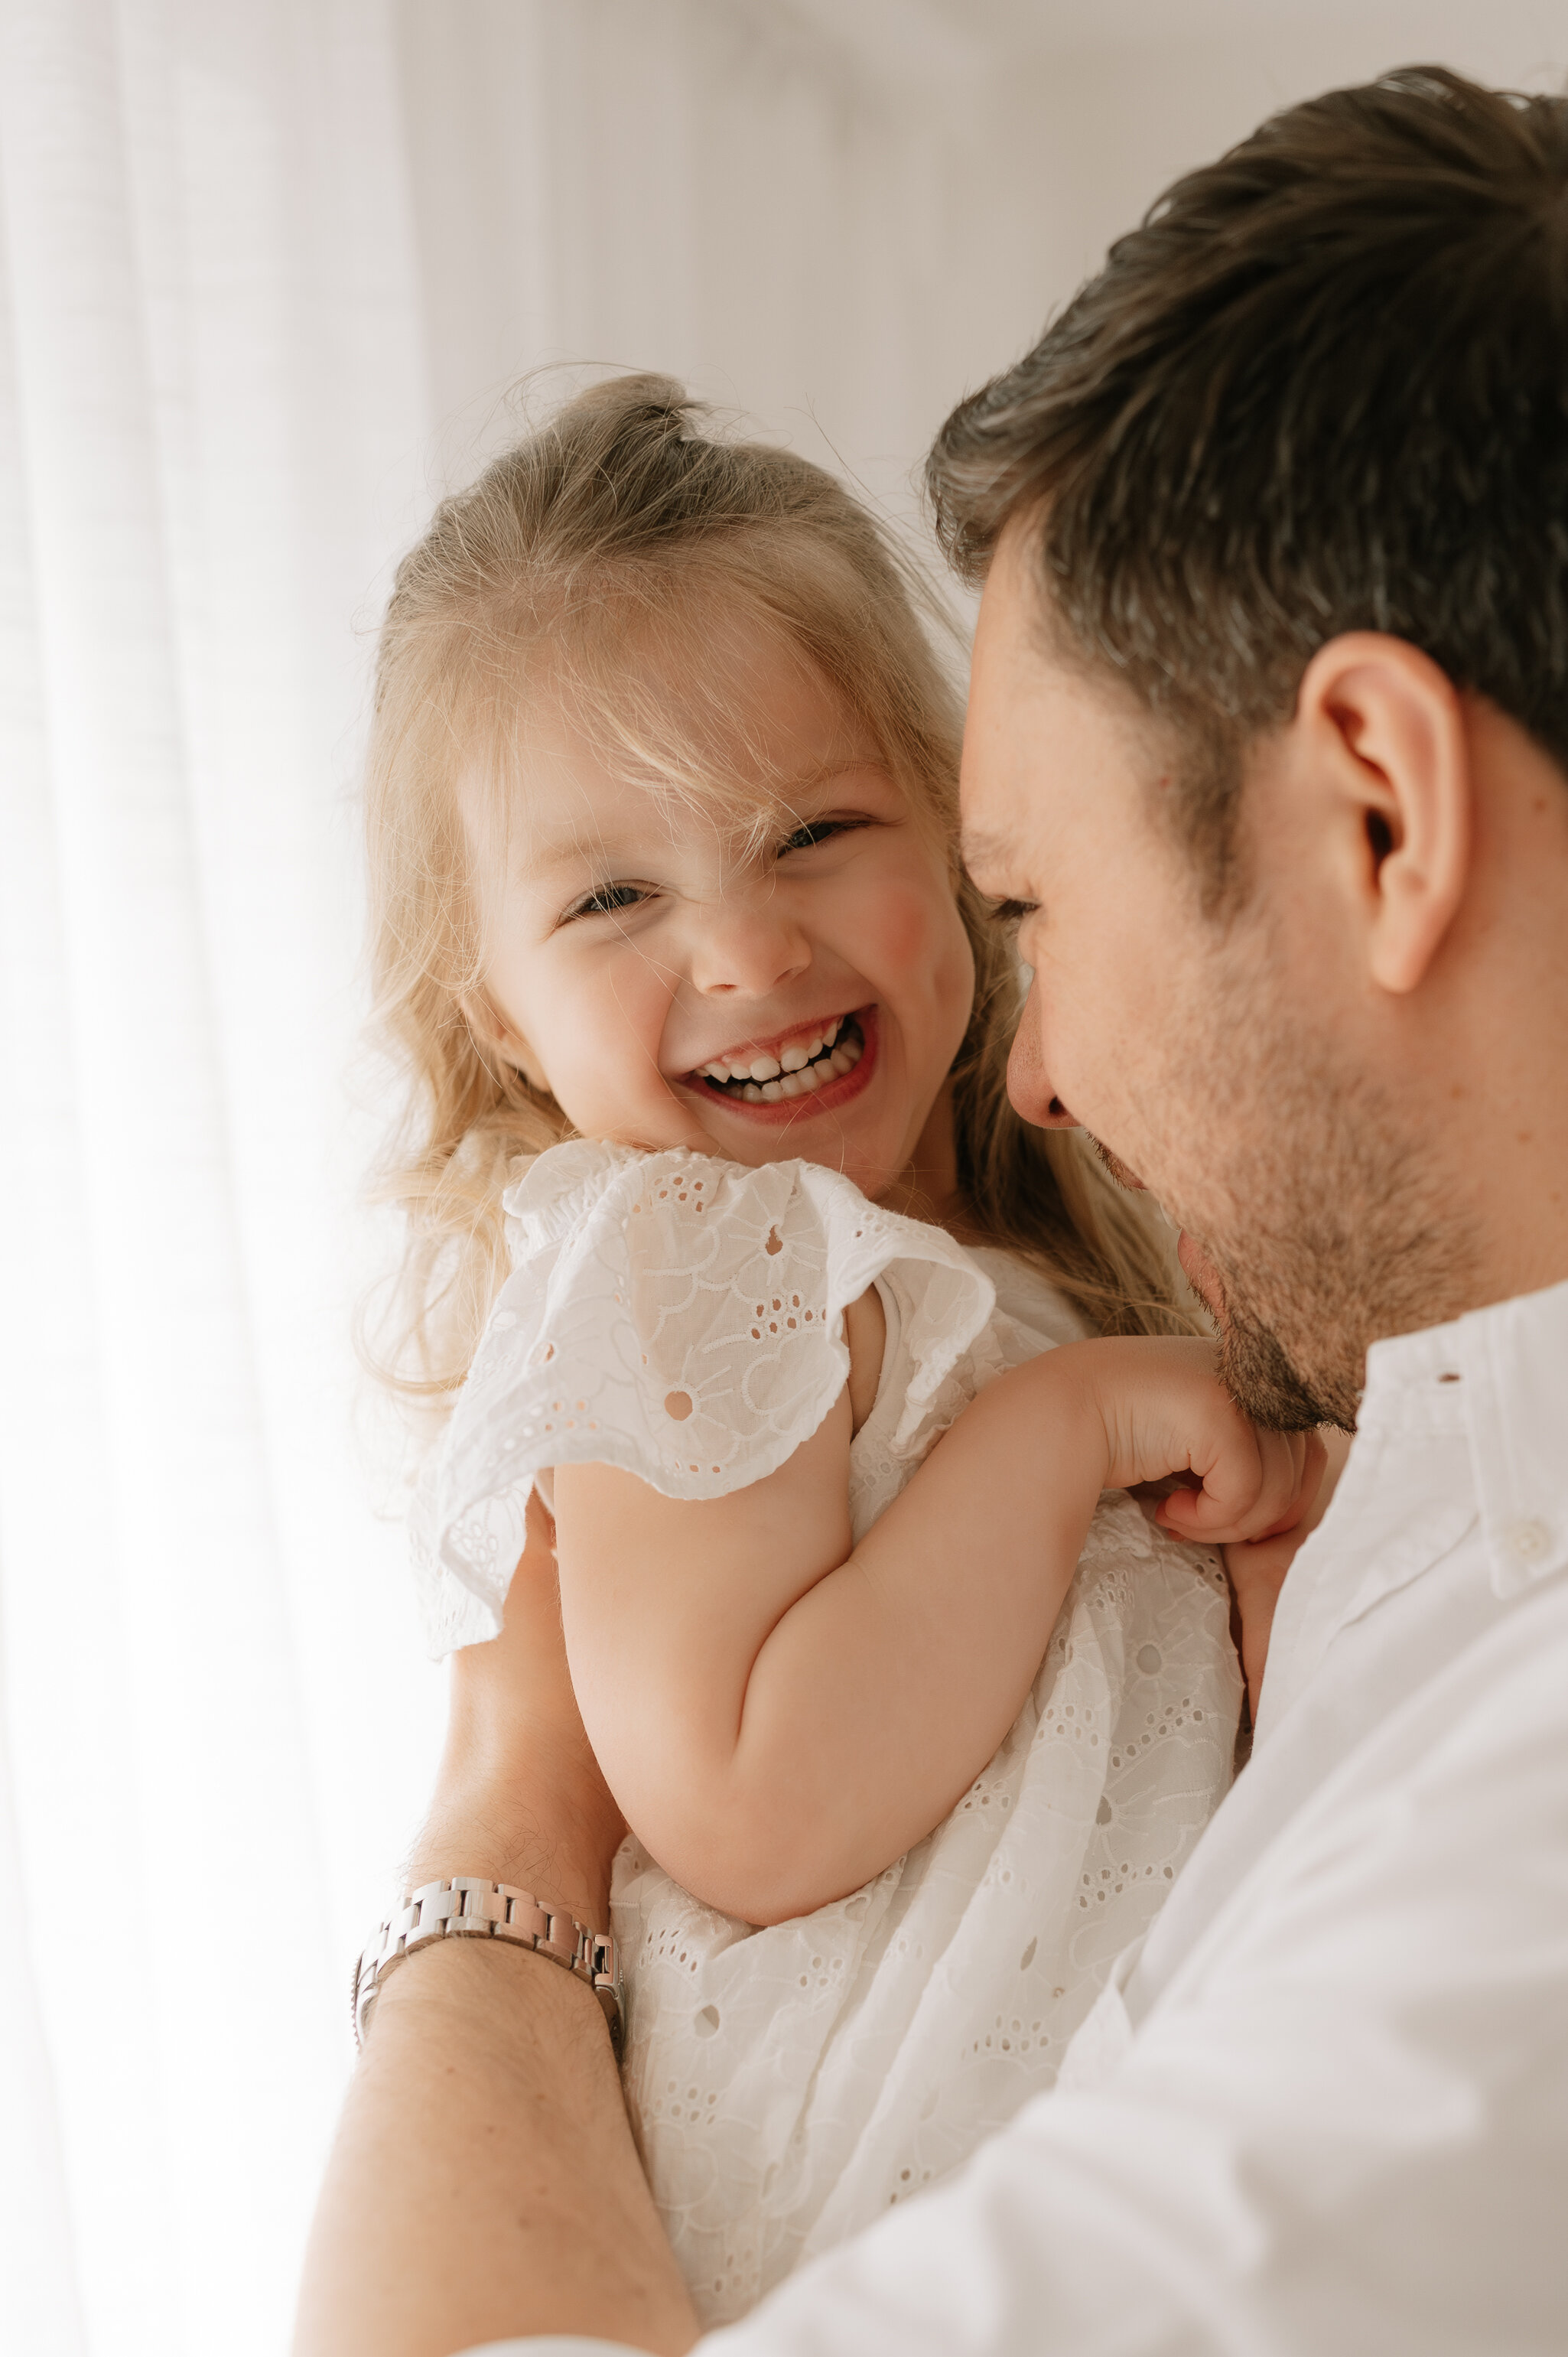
pixel 465 1907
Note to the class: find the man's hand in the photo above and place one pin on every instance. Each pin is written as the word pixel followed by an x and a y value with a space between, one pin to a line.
pixel 518 1795
pixel 484 2183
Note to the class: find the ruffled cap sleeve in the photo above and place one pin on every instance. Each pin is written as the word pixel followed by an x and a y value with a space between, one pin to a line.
pixel 671 1314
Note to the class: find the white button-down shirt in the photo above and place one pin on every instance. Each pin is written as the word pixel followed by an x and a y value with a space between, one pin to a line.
pixel 1324 2107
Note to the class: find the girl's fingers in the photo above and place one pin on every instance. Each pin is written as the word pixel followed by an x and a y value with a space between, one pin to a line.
pixel 1314 1463
pixel 1236 1469
pixel 1282 1454
pixel 1259 1483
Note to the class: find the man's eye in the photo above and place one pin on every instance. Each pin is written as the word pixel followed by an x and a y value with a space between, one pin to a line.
pixel 1012 913
pixel 607 901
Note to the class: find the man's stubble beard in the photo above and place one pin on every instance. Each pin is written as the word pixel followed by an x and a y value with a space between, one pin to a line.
pixel 1328 1227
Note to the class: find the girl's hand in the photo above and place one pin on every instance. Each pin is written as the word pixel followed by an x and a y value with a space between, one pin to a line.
pixel 1162 1410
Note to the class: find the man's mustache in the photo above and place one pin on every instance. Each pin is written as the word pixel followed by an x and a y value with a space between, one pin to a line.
pixel 1115 1167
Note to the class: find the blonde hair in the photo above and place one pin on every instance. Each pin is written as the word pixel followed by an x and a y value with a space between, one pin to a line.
pixel 615 528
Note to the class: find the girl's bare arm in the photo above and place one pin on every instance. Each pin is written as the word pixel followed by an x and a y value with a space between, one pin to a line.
pixel 781 1714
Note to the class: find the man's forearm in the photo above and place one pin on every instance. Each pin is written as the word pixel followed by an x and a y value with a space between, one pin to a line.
pixel 484 2181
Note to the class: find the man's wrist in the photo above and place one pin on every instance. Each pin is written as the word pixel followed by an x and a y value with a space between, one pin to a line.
pixel 464 1909
pixel 557 1844
pixel 456 1984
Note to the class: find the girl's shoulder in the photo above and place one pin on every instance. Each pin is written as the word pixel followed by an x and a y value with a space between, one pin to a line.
pixel 691 1205
pixel 677 1316
pixel 549 1191
pixel 788 1228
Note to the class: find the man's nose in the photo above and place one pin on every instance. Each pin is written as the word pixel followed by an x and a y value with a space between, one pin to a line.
pixel 1029 1085
pixel 749 944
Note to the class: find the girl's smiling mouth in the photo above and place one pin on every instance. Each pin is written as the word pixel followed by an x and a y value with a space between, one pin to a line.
pixel 819 1069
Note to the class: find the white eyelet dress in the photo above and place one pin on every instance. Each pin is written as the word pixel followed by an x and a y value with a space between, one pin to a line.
pixel 681 1317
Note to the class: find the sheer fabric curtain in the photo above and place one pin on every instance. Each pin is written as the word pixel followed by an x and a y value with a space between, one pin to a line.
pixel 216 1725
pixel 231 280
pixel 266 270
pixel 802 207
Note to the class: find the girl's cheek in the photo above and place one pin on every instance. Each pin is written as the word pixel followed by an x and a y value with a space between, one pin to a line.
pixel 901 924
pixel 915 933
pixel 601 1029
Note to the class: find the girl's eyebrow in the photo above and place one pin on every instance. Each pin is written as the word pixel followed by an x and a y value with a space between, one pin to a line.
pixel 839 765
pixel 549 857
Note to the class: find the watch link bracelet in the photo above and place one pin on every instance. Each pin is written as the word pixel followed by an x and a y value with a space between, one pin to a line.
pixel 466 1907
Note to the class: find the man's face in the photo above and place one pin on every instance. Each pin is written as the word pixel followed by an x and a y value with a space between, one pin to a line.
pixel 1214 1061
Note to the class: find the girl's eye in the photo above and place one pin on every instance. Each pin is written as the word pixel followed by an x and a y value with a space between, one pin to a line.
pixel 607 901
pixel 816 831
pixel 1012 913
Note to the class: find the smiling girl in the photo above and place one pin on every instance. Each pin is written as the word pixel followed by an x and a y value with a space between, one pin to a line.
pixel 808 1363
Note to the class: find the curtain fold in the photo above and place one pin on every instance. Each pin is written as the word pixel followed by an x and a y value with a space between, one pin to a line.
pixel 216 1725
pixel 258 259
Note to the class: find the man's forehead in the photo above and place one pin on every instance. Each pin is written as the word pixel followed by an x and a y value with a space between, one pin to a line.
pixel 1050 743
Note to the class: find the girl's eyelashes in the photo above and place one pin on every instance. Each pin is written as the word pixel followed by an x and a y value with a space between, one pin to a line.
pixel 1012 913
pixel 614 899
pixel 606 900
pixel 818 830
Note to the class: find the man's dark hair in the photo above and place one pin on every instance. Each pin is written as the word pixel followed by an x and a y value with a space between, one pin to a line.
pixel 1323 387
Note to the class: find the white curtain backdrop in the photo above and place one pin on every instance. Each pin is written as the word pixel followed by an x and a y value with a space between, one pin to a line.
pixel 217 1727
pixel 267 270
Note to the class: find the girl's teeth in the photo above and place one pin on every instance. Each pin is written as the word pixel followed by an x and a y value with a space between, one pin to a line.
pixel 799 1071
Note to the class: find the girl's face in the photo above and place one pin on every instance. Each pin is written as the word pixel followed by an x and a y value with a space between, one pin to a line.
pixel 672 985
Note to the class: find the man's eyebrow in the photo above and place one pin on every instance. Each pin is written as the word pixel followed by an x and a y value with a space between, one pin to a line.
pixel 978 849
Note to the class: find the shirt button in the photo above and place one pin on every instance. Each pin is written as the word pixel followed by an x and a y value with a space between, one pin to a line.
pixel 1528 1541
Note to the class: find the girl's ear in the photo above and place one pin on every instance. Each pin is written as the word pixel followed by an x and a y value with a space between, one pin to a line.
pixel 493 1036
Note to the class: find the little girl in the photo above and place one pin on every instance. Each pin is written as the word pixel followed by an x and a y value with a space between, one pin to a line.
pixel 782 1313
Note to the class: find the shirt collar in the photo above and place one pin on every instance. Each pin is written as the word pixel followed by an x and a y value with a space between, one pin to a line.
pixel 1500 1375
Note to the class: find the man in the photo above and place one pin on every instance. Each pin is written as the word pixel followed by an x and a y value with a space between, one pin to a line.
pixel 1269 739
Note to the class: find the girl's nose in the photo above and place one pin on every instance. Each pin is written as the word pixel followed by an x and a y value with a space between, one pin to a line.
pixel 747 945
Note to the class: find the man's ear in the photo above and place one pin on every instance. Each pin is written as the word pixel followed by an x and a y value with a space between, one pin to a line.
pixel 495 1035
pixel 1391 727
